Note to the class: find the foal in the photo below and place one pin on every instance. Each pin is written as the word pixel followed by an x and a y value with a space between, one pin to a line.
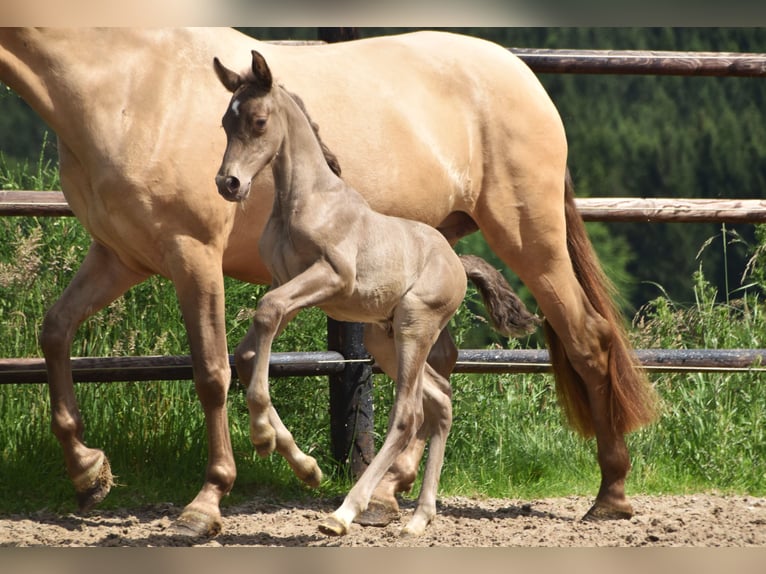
pixel 325 247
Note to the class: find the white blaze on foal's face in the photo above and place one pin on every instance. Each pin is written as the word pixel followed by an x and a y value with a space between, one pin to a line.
pixel 235 107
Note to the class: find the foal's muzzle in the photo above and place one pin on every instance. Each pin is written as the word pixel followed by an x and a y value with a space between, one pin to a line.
pixel 230 188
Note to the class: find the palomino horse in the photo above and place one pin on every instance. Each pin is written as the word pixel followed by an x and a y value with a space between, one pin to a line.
pixel 325 247
pixel 445 129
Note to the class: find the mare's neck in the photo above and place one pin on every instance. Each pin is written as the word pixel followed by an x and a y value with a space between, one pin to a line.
pixel 300 167
pixel 23 67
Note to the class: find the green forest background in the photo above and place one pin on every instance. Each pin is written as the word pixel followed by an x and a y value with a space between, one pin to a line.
pixel 629 136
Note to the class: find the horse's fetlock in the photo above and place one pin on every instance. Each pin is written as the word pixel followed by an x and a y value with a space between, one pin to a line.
pixel 65 425
pixel 222 476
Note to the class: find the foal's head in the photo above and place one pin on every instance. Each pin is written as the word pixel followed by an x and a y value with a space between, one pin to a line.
pixel 253 133
pixel 254 127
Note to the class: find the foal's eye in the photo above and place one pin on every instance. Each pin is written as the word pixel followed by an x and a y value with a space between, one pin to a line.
pixel 259 123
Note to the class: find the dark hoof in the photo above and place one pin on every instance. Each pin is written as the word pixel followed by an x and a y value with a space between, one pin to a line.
pixel 599 512
pixel 378 513
pixel 196 524
pixel 97 490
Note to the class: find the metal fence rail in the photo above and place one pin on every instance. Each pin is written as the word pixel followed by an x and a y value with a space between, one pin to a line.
pixel 324 363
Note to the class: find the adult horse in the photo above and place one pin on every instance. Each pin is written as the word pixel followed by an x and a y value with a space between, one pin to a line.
pixel 446 129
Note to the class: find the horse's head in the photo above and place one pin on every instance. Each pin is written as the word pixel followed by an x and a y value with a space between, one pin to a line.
pixel 252 139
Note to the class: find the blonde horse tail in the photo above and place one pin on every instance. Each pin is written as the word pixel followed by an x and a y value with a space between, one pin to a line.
pixel 507 313
pixel 632 399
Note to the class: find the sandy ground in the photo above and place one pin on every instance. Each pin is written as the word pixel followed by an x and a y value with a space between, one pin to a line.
pixel 659 521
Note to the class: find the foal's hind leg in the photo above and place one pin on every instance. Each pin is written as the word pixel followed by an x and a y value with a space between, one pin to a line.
pixel 100 280
pixel 437 407
pixel 416 328
pixel 384 507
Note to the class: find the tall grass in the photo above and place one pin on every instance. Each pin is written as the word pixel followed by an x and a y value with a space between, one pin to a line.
pixel 508 437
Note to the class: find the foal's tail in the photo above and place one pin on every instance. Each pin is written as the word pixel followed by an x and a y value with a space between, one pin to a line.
pixel 507 313
pixel 632 400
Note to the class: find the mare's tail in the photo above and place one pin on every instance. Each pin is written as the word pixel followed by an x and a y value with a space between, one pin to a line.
pixel 507 313
pixel 632 400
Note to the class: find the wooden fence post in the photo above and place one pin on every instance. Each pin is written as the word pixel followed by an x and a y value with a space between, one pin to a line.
pixel 351 405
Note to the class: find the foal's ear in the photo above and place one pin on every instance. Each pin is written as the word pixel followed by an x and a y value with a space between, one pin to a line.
pixel 231 80
pixel 261 72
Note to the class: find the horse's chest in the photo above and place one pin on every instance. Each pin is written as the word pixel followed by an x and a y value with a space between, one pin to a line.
pixel 288 250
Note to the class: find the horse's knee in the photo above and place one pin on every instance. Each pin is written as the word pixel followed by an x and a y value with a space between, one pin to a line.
pixel 54 332
pixel 212 385
pixel 268 314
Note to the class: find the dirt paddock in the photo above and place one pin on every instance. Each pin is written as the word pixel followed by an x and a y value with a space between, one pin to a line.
pixel 660 521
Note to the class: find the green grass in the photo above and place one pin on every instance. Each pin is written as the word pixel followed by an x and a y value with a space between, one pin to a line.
pixel 508 436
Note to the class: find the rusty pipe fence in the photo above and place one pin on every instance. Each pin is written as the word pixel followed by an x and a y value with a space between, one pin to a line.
pixel 346 354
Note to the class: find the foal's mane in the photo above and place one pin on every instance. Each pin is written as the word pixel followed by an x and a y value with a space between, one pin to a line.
pixel 329 156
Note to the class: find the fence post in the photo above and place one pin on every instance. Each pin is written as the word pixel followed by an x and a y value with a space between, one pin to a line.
pixel 351 408
pixel 351 405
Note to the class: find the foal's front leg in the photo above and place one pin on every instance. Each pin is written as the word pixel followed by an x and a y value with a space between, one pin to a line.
pixel 274 312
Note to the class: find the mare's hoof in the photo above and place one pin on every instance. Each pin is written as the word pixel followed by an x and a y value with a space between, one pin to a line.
pixel 93 485
pixel 600 511
pixel 333 526
pixel 196 524
pixel 378 513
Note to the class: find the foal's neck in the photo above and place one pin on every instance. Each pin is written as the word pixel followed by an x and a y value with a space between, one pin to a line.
pixel 300 167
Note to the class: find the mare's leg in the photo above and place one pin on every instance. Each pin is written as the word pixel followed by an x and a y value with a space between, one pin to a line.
pixel 274 311
pixel 586 339
pixel 384 507
pixel 100 280
pixel 196 272
pixel 590 358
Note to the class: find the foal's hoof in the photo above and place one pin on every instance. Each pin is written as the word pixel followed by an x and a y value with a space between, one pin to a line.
pixel 94 484
pixel 379 513
pixel 333 526
pixel 264 440
pixel 309 473
pixel 602 511
pixel 197 524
